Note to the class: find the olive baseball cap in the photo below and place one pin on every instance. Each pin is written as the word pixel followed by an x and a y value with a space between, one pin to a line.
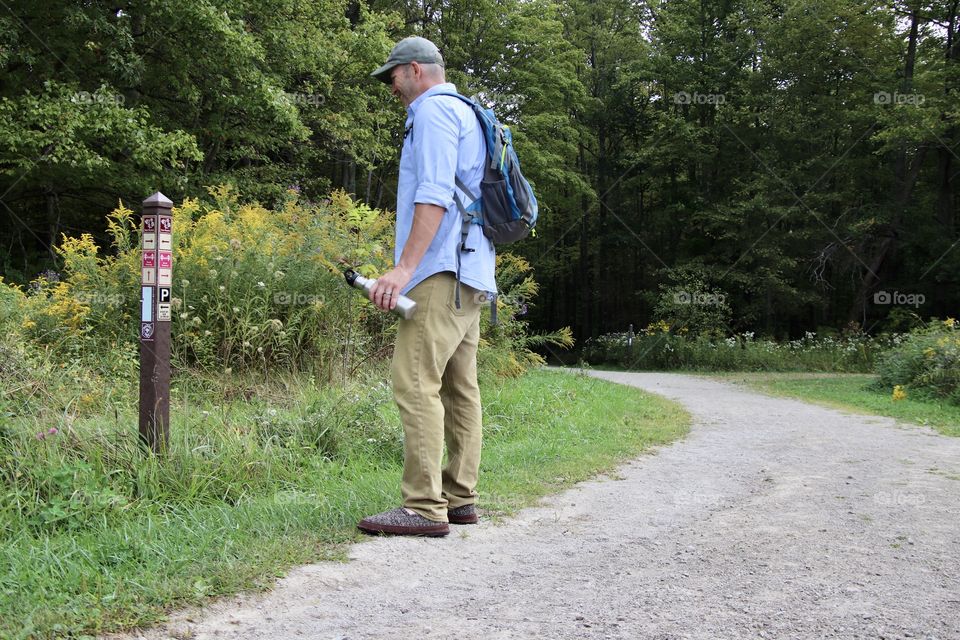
pixel 412 49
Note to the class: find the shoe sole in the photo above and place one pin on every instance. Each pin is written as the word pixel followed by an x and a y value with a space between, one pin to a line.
pixel 471 519
pixel 436 531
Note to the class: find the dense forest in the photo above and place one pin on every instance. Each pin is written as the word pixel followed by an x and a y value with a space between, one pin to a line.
pixel 788 165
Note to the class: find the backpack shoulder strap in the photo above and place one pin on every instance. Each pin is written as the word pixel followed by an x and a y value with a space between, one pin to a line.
pixel 460 96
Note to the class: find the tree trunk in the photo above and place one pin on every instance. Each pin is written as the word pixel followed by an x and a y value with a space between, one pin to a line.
pixel 53 221
pixel 946 204
pixel 906 174
pixel 585 288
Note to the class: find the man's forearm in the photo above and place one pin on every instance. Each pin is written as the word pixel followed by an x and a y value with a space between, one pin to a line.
pixel 426 221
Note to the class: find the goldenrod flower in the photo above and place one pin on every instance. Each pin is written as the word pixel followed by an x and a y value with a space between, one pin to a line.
pixel 899 393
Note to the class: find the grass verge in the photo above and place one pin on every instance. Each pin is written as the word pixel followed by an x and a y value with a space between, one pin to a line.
pixel 93 539
pixel 852 392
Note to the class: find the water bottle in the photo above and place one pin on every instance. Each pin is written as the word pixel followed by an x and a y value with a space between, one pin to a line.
pixel 405 306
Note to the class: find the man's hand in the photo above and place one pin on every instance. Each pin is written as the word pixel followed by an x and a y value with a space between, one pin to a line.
pixel 386 289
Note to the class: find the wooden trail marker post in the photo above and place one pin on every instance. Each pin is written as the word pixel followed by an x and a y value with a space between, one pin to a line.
pixel 157 279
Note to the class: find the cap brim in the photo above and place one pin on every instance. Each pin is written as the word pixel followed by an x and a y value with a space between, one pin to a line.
pixel 383 73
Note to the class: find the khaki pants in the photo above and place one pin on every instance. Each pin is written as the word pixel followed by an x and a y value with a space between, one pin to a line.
pixel 435 386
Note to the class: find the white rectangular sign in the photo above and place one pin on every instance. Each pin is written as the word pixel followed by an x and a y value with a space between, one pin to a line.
pixel 146 309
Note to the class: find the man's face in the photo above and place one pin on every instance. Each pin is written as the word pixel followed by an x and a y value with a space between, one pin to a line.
pixel 403 83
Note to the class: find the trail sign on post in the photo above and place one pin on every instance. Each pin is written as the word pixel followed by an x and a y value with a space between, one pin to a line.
pixel 157 276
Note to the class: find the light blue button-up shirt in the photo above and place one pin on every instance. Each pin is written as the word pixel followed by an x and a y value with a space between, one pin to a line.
pixel 445 142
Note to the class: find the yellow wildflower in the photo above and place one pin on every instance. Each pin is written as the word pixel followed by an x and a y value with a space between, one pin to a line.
pixel 949 322
pixel 898 393
pixel 65 308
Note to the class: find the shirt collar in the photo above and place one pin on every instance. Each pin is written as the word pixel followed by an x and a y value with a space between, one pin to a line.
pixel 444 87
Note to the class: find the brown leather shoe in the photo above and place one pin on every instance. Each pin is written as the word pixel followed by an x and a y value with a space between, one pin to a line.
pixel 467 514
pixel 402 522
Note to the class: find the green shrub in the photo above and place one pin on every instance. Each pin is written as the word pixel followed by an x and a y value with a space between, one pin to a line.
pixel 925 362
pixel 253 290
pixel 49 383
pixel 506 349
pixel 700 308
pixel 660 347
pixel 11 308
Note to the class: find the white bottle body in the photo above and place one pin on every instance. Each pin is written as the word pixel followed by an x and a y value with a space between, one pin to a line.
pixel 405 306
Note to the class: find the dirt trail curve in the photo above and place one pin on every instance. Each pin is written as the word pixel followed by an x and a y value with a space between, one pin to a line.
pixel 773 519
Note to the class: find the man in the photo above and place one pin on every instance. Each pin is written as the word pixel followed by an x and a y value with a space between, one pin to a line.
pixel 435 357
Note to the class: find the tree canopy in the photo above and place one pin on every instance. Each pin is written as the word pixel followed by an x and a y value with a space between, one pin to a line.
pixel 799 160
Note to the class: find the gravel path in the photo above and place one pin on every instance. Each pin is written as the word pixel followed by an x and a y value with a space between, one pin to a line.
pixel 773 519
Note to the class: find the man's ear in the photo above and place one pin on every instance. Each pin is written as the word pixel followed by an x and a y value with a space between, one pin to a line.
pixel 416 69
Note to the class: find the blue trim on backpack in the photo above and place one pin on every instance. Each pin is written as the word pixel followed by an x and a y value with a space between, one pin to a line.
pixel 495 149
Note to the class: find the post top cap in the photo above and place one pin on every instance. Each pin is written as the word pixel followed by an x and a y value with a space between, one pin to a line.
pixel 158 200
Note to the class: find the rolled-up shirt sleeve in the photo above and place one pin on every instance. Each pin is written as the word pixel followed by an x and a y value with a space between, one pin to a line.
pixel 435 141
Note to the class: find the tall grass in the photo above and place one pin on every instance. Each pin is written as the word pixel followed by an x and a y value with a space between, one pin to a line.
pixel 96 535
pixel 662 349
